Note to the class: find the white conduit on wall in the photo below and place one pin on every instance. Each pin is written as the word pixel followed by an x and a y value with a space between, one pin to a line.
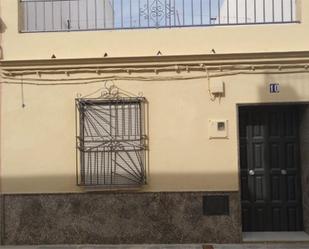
pixel 18 76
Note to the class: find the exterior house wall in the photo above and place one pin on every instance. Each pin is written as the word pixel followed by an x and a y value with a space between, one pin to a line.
pixel 40 157
pixel 41 203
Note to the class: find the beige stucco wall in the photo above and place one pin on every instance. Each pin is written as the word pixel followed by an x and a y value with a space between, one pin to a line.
pixel 175 41
pixel 38 141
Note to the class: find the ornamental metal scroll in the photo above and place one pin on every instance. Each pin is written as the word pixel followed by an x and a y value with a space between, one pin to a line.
pixel 157 11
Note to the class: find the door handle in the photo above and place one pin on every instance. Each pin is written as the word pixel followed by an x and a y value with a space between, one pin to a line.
pixel 283 172
pixel 251 172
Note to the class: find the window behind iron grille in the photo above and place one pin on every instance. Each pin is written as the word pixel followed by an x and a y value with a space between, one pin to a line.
pixel 111 142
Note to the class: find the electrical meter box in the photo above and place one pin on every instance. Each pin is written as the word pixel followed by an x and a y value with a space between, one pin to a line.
pixel 217 87
pixel 218 128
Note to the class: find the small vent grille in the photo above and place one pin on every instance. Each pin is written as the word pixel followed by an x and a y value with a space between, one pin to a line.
pixel 216 205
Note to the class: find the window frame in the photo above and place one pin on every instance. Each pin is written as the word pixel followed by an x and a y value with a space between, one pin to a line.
pixel 139 147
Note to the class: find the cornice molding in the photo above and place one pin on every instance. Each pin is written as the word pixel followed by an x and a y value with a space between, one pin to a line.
pixel 207 59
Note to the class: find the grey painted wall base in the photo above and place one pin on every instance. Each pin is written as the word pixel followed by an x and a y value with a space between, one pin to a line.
pixel 304 150
pixel 117 218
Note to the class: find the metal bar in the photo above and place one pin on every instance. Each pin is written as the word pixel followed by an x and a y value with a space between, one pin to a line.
pixel 292 11
pixel 104 13
pixel 110 120
pixel 171 12
pixel 282 11
pixel 136 120
pixel 138 156
pixel 76 142
pixel 264 15
pixel 129 121
pixel 209 11
pixel 192 12
pixel 183 12
pixel 123 121
pixel 185 26
pixel 107 165
pixel 165 13
pixel 273 10
pixel 94 126
pixel 27 15
pixel 61 17
pixel 113 10
pixel 78 14
pixel 115 165
pixel 228 11
pixel 36 15
pixel 96 165
pixel 110 167
pixel 116 120
pixel 87 18
pixel 254 11
pixel 246 11
pixel 174 12
pixel 148 14
pixel 292 16
pixel 132 172
pixel 132 180
pixel 130 13
pixel 69 21
pixel 102 168
pixel 96 14
pixel 236 11
pixel 44 15
pixel 89 167
pixel 121 12
pixel 201 11
pixel 219 11
pixel 139 13
pixel 134 164
pixel 157 14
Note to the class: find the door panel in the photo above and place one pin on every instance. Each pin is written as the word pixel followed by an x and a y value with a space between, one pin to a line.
pixel 269 168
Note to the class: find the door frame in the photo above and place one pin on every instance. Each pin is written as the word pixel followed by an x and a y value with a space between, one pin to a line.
pixel 265 104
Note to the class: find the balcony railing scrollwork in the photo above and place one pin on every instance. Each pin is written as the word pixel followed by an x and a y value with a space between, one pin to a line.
pixel 73 15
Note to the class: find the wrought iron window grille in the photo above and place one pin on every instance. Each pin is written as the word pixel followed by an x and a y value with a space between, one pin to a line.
pixel 111 141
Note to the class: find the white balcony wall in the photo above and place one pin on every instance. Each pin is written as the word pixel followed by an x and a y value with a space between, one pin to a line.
pixel 257 11
pixel 58 15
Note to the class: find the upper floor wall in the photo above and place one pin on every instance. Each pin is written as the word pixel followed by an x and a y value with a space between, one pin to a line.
pixel 92 28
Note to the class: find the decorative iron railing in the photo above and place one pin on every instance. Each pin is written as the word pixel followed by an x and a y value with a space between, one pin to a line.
pixel 111 142
pixel 67 15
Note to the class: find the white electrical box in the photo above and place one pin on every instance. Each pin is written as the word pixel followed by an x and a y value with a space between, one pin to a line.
pixel 217 87
pixel 218 128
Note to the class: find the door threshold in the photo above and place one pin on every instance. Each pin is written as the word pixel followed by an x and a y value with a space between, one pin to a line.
pixel 252 237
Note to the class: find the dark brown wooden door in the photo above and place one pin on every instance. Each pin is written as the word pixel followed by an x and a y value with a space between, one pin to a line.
pixel 270 170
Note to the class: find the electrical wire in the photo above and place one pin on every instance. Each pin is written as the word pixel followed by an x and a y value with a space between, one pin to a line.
pixel 86 81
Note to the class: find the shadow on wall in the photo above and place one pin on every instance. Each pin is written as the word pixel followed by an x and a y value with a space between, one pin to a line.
pixel 67 183
pixel 3 26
